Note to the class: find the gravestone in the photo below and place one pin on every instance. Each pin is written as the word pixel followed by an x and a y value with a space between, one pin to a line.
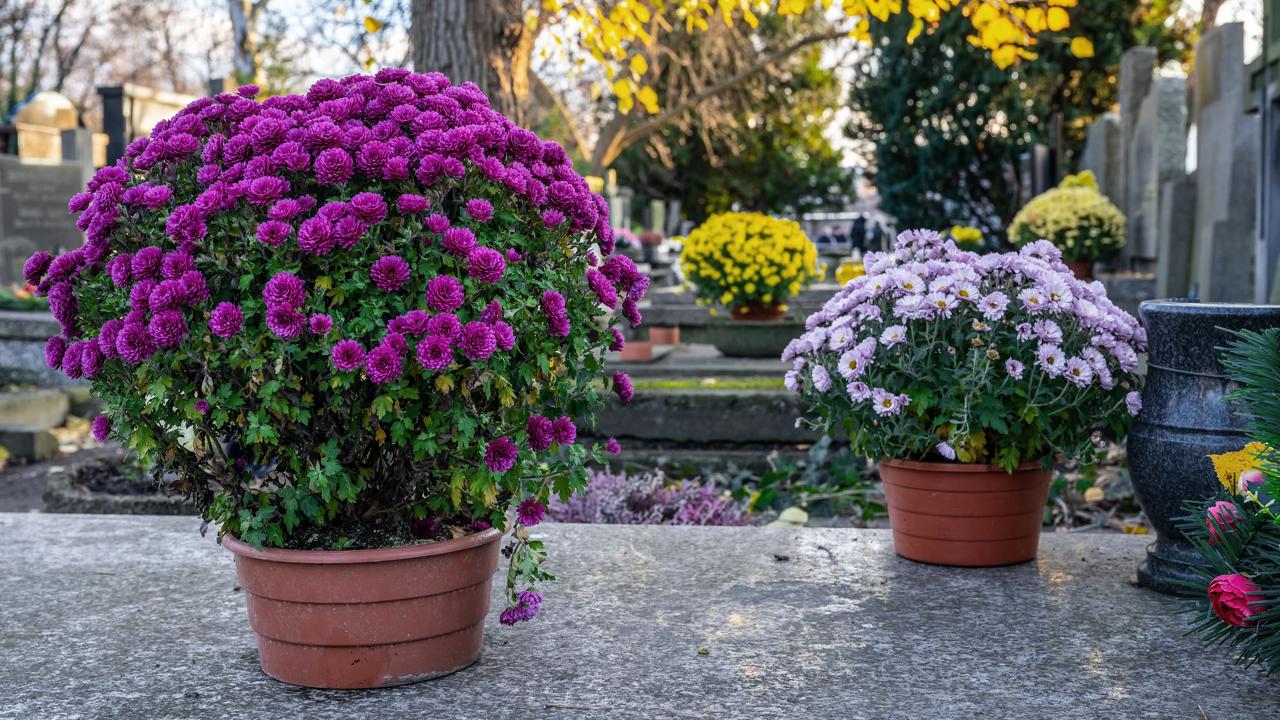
pixel 1102 156
pixel 1227 157
pixel 1137 73
pixel 33 211
pixel 131 111
pixel 39 123
pixel 1156 155
pixel 1176 229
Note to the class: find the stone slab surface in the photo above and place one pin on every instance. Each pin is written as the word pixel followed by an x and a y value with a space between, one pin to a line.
pixel 41 408
pixel 695 360
pixel 138 617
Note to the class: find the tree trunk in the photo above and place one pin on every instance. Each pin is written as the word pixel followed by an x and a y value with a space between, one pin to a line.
pixel 481 41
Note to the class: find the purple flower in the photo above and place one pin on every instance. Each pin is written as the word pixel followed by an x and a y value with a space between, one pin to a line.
pixel 623 387
pixel 120 268
pixel 320 324
pixel 107 337
pixel 541 433
pixel 552 218
pixel 885 402
pixel 369 207
pixel 503 335
pixel 284 210
pixel 458 241
pixel 1050 358
pixel 133 344
pixel 554 309
pixel 90 358
pixel 347 355
pixel 444 293
pixel 612 447
pixel 479 210
pixel 274 233
pixel 500 455
pixel 603 288
pixel 435 352
pixel 167 328
pixel 485 265
pixel 202 407
pixel 54 348
pixel 446 325
pixel 525 608
pixel 167 295
pixel 492 312
pixel 225 320
pixel 284 290
pixel 34 268
pixel 285 322
pixel 176 264
pixel 631 312
pixel 437 223
pixel 530 512
pixel 383 364
pixel 477 342
pixel 266 190
pixel 414 322
pixel 1014 368
pixel 316 236
pixel 146 263
pixel 1133 402
pixel 334 166
pixel 101 428
pixel 945 450
pixel 409 203
pixel 563 431
pixel 71 361
pixel 618 341
pixel 390 272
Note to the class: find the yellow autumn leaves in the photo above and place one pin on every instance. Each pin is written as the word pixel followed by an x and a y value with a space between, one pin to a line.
pixel 621 36
pixel 738 258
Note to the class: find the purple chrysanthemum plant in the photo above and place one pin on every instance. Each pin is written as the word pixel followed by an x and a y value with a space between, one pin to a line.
pixel 942 354
pixel 363 306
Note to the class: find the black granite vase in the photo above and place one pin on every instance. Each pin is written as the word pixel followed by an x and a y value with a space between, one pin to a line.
pixel 1185 417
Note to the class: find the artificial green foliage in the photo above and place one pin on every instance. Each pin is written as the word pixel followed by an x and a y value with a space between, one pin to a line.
pixel 1249 546
pixel 1253 360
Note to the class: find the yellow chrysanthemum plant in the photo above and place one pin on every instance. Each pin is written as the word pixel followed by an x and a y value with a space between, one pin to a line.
pixel 1075 217
pixel 750 263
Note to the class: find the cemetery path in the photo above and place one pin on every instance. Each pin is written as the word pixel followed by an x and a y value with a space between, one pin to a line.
pixel 140 617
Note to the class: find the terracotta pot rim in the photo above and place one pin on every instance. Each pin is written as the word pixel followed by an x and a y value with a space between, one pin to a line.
pixel 956 467
pixel 349 557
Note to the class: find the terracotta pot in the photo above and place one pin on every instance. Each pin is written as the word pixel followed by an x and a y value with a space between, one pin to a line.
pixel 664 335
pixel 965 515
pixel 1082 269
pixel 637 351
pixel 758 312
pixel 368 618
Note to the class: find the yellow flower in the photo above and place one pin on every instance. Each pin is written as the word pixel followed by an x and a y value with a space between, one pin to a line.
pixel 731 255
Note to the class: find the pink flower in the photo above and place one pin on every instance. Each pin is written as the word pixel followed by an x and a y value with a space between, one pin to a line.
pixel 1222 515
pixel 1236 599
